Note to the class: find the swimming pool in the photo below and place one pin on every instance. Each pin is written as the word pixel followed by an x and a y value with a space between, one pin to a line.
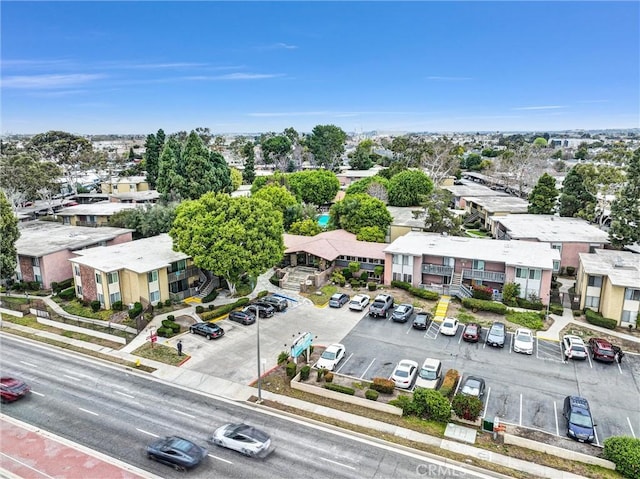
pixel 323 220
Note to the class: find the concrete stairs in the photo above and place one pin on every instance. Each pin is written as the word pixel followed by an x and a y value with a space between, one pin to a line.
pixel 295 276
pixel 441 308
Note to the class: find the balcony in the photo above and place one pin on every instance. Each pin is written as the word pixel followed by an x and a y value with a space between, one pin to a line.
pixel 183 274
pixel 437 269
pixel 478 274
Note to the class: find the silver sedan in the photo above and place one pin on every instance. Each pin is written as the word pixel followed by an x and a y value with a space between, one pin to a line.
pixel 243 438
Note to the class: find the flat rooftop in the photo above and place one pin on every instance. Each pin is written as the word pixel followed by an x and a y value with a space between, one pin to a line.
pixel 103 208
pixel 499 204
pixel 622 267
pixel 140 256
pixel 404 216
pixel 473 189
pixel 512 253
pixel 554 229
pixel 40 238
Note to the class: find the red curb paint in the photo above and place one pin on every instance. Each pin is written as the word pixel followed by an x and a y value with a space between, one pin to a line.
pixel 184 361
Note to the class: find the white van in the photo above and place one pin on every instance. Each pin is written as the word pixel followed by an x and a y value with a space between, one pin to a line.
pixel 430 375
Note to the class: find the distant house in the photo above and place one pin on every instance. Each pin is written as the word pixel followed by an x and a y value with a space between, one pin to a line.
pixel 405 219
pixel 486 207
pixel 471 190
pixel 608 282
pixel 346 177
pixel 454 265
pixel 94 214
pixel 125 184
pixel 570 236
pixel 44 248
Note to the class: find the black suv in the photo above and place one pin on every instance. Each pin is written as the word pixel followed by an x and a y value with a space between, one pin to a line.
pixel 280 304
pixel 422 320
pixel 579 422
pixel 265 310
pixel 381 306
pixel 208 330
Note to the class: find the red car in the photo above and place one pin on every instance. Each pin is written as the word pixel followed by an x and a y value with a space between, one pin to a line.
pixel 602 350
pixel 12 389
pixel 471 333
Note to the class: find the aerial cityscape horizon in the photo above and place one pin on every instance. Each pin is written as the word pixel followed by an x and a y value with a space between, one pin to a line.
pixel 238 67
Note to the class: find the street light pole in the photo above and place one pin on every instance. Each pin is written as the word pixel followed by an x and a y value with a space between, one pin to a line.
pixel 255 308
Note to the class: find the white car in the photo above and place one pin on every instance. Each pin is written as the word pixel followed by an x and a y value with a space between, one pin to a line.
pixel 523 341
pixel 430 375
pixel 449 327
pixel 331 357
pixel 243 438
pixel 359 302
pixel 574 347
pixel 405 374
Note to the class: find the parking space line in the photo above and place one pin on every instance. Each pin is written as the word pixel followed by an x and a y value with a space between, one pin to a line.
pixel 595 433
pixel 555 414
pixel 520 418
pixel 365 371
pixel 344 362
pixel 631 427
pixel 460 340
pixel 410 328
pixel 619 368
pixel 510 351
pixel 590 363
pixel 486 402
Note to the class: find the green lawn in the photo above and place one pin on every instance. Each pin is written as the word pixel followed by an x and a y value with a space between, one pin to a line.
pixel 160 353
pixel 321 297
pixel 74 307
pixel 478 234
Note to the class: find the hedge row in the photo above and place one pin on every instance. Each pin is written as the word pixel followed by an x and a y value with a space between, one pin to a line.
pixel 222 310
pixel 482 305
pixel 526 304
pixel 599 320
pixel 67 294
pixel 59 286
pixel 624 452
pixel 210 297
pixel 383 385
pixel 419 292
pixel 135 311
pixel 449 382
pixel 341 389
pixel 371 394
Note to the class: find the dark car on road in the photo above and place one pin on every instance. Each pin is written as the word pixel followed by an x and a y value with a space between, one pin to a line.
pixel 402 313
pixel 12 389
pixel 422 320
pixel 338 300
pixel 278 302
pixel 208 330
pixel 471 333
pixel 602 350
pixel 497 335
pixel 265 310
pixel 242 317
pixel 579 421
pixel 176 451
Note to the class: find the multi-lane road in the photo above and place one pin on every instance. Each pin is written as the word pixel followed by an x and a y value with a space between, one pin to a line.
pixel 117 412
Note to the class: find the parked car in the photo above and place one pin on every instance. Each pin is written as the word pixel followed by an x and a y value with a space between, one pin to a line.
pixel 574 347
pixel 497 334
pixel 422 320
pixel 12 389
pixel 473 386
pixel 338 300
pixel 405 374
pixel 331 357
pixel 402 313
pixel 176 451
pixel 359 302
pixel 265 310
pixel 243 438
pixel 579 421
pixel 278 302
pixel 242 317
pixel 208 330
pixel 430 374
pixel 381 306
pixel 602 350
pixel 449 326
pixel 471 333
pixel 523 341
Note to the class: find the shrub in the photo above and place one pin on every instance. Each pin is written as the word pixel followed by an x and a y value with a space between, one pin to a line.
pixel 158 306
pixel 274 280
pixel 211 307
pixel 328 376
pixel 524 303
pixel 222 310
pixel 54 287
pixel 371 286
pixel 424 293
pixel 383 385
pixel 431 404
pixel 135 311
pixel 347 274
pixel 171 317
pixel 304 372
pixel 283 357
pixel 354 266
pixel 482 292
pixel 210 297
pixel 291 369
pixel 571 270
pixel 624 452
pixel 404 402
pixel 170 324
pixel 199 309
pixel 167 302
pixel 117 306
pixel 556 309
pixel 340 388
pixel 321 372
pixel 532 321
pixel 262 294
pixel 34 285
pixel 510 293
pixel 449 382
pixel 599 320
pixel 482 305
pixel 354 282
pixel 371 394
pixel 95 306
pixel 401 284
pixel 577 313
pixel 67 294
pixel 165 332
pixel 467 407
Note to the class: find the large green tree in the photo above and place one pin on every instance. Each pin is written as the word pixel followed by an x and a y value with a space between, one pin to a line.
pixel 438 216
pixel 221 173
pixel 145 222
pixel 543 197
pixel 280 198
pixel 409 188
pixel 625 209
pixel 276 150
pixel 376 186
pixel 231 237
pixel 363 157
pixel 9 234
pixel 326 143
pixel 171 182
pixel 355 212
pixel 153 145
pixel 306 227
pixel 576 200
pixel 26 177
pixel 317 187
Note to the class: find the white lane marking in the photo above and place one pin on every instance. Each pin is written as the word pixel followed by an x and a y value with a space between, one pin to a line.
pixel 410 328
pixel 147 432
pixel 595 433
pixel 365 371
pixel 459 382
pixel 589 358
pixel 631 427
pixel 537 348
pixel 89 412
pixel 183 413
pixel 520 419
pixel 27 466
pixel 619 368
pixel 219 458
pixel 29 364
pixel 345 362
pixel 37 393
pixel 72 377
pixel 555 413
pixel 338 463
pixel 124 394
pixel 460 340
pixel 486 402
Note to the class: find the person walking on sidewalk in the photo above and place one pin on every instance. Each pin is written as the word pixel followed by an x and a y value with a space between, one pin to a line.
pixel 179 347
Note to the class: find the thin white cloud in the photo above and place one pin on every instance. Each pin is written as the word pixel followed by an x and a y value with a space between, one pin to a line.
pixel 446 78
pixel 233 76
pixel 166 65
pixel 542 107
pixel 280 46
pixel 337 114
pixel 593 101
pixel 41 82
pixel 32 63
pixel 56 93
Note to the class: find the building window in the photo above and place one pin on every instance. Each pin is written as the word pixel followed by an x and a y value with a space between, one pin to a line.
pixel 407 278
pixel 112 278
pixel 114 297
pixel 101 299
pixel 35 261
pixel 478 264
pixel 535 274
pixel 556 265
pixel 595 281
pixel 397 277
pixel 592 302
pixel 632 294
pixel 629 317
pixel 522 273
pixel 557 246
pixel 154 296
pixel 132 187
pixel 76 270
pixel 405 260
pixel 397 259
pixel 178 266
pixel 79 290
pixel 98 278
pixel 152 276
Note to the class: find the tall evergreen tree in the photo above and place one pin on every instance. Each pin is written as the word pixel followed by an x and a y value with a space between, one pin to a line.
pixel 198 169
pixel 542 200
pixel 9 234
pixel 625 209
pixel 575 197
pixel 249 172
pixel 171 184
pixel 153 147
pixel 221 180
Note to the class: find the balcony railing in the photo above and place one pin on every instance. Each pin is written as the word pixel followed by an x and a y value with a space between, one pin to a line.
pixel 478 274
pixel 437 269
pixel 187 293
pixel 183 274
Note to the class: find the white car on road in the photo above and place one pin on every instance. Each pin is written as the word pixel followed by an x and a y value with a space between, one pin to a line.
pixel 449 327
pixel 523 341
pixel 359 302
pixel 331 357
pixel 405 374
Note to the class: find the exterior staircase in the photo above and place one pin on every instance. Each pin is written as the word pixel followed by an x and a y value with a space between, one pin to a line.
pixel 295 276
pixel 206 280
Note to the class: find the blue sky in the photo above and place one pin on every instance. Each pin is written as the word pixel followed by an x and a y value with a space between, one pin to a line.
pixel 135 67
